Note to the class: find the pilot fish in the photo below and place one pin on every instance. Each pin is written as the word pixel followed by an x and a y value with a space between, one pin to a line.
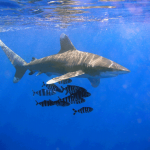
pixel 79 94
pixel 44 92
pixel 83 110
pixel 61 103
pixel 45 103
pixel 65 81
pixel 72 89
pixel 52 87
pixel 72 100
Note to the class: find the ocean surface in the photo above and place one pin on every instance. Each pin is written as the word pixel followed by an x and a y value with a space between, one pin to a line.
pixel 115 29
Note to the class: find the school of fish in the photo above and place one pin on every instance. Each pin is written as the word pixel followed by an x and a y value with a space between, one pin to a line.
pixel 77 95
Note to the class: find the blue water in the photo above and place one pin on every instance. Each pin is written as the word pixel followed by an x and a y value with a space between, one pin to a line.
pixel 117 30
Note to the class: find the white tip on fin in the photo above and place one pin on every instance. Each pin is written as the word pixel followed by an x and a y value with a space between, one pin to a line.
pixel 65 76
pixel 39 73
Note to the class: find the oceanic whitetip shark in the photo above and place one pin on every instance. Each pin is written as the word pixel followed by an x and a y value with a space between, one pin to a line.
pixel 68 63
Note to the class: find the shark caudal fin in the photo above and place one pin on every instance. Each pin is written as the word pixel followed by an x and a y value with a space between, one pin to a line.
pixel 16 61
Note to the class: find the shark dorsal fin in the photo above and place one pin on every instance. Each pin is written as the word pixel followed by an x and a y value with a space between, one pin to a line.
pixel 65 43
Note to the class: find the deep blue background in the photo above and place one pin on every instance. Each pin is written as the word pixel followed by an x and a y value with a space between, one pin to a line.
pixel 121 116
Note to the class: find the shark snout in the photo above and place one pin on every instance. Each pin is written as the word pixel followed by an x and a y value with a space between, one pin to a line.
pixel 121 70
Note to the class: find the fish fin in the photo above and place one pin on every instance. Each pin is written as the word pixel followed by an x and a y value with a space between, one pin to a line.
pixel 31 72
pixel 65 76
pixel 33 93
pixel 20 71
pixel 62 88
pixel 48 74
pixel 94 81
pixel 74 111
pixel 36 102
pixel 39 73
pixel 65 81
pixel 65 43
pixel 33 58
pixel 16 61
pixel 43 84
pixel 59 98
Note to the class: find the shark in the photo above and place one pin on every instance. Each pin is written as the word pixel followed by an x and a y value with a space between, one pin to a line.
pixel 67 63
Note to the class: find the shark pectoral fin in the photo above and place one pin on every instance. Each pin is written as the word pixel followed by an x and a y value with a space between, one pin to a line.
pixel 65 43
pixel 94 81
pixel 65 76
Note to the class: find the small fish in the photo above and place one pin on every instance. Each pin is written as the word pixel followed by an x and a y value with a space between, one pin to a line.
pixel 72 89
pixel 72 100
pixel 79 101
pixel 79 94
pixel 52 87
pixel 44 92
pixel 61 103
pixel 45 103
pixel 83 110
pixel 65 81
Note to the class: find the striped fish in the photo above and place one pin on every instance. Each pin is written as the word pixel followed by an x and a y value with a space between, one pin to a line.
pixel 81 93
pixel 72 89
pixel 72 100
pixel 83 110
pixel 79 101
pixel 45 103
pixel 52 87
pixel 66 81
pixel 44 92
pixel 61 103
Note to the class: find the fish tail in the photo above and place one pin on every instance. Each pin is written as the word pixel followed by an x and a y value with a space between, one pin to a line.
pixel 33 93
pixel 16 61
pixel 74 111
pixel 36 102
pixel 62 88
pixel 43 84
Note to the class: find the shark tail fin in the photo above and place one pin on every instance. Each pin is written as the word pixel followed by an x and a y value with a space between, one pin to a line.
pixel 33 93
pixel 74 111
pixel 16 61
pixel 36 102
pixel 43 84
